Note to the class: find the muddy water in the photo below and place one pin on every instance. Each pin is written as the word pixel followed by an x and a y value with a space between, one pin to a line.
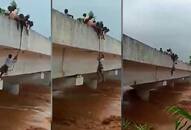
pixel 31 110
pixel 154 111
pixel 82 108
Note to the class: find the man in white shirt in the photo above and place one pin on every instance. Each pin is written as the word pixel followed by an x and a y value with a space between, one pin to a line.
pixel 100 68
pixel 8 63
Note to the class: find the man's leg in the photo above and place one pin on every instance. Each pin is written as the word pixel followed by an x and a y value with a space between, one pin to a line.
pixel 17 21
pixel 98 75
pixel 27 29
pixel 1 74
pixel 102 76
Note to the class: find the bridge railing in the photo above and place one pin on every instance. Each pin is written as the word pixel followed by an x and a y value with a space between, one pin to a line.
pixel 137 51
pixel 10 38
pixel 69 32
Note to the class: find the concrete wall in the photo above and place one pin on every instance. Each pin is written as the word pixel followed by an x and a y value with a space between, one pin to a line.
pixel 10 37
pixel 143 64
pixel 138 73
pixel 27 63
pixel 36 49
pixel 71 61
pixel 69 32
pixel 136 51
pixel 76 48
pixel 69 82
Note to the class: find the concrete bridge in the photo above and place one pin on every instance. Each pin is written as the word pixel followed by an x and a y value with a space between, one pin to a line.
pixel 33 63
pixel 145 68
pixel 75 52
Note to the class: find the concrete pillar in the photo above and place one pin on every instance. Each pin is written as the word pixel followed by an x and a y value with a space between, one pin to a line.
pixel 63 83
pixel 11 88
pixel 92 83
pixel 126 88
pixel 184 80
pixel 144 94
pixel 112 75
pixel 170 83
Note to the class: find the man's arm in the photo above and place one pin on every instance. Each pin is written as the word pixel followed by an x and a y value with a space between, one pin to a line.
pixel 15 58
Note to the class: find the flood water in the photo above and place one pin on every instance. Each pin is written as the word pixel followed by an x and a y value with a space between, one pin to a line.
pixel 154 112
pixel 30 110
pixel 82 108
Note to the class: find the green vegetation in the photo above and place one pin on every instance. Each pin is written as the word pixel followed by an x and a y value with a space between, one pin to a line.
pixel 2 11
pixel 128 124
pixel 190 59
pixel 91 15
pixel 142 127
pixel 13 4
pixel 182 117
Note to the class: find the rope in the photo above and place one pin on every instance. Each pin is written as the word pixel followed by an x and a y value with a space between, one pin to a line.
pixel 20 44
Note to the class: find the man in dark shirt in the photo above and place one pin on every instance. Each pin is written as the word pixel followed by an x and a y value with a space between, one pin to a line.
pixel 66 13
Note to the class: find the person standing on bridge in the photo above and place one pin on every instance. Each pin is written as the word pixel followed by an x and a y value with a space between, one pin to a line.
pixel 8 63
pixel 100 72
pixel 67 14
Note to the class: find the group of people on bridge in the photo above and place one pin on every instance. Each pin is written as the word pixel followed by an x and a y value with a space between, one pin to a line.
pixel 101 30
pixel 173 56
pixel 89 19
pixel 22 22
pixel 21 19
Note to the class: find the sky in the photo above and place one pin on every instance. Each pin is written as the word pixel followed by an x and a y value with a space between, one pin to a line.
pixel 160 24
pixel 108 11
pixel 39 10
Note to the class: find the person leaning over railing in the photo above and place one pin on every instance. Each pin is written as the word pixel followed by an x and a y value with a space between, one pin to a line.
pixel 67 14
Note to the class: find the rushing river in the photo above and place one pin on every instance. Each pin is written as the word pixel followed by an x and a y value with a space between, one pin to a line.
pixel 82 108
pixel 154 112
pixel 30 110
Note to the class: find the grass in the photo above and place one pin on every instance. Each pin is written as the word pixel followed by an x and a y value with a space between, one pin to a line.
pixel 129 124
pixel 182 117
pixel 142 127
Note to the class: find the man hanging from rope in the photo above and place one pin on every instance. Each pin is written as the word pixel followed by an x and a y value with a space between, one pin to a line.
pixel 9 62
pixel 174 58
pixel 100 72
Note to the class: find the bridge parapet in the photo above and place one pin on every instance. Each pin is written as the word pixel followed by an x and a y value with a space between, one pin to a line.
pixel 10 38
pixel 71 33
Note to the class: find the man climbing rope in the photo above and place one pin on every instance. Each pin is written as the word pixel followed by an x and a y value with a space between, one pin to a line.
pixel 100 72
pixel 8 63
pixel 172 69
pixel 174 58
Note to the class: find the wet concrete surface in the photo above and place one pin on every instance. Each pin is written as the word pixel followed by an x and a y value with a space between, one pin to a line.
pixel 30 110
pixel 82 108
pixel 154 112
